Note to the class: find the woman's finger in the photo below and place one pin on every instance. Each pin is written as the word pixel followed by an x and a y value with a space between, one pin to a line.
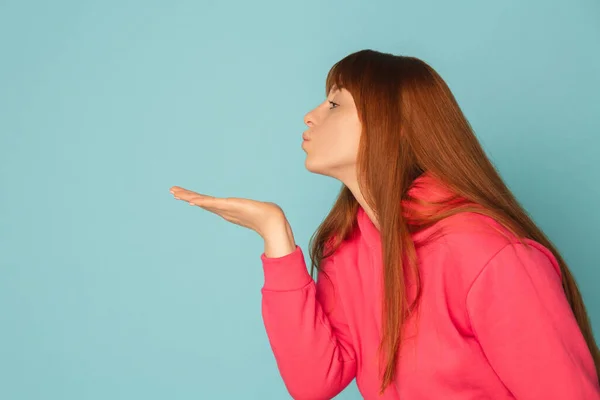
pixel 187 195
pixel 207 201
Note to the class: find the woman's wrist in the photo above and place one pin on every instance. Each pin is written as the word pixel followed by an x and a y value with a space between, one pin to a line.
pixel 279 239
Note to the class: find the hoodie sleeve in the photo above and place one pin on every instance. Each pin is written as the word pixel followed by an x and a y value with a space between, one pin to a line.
pixel 524 324
pixel 306 327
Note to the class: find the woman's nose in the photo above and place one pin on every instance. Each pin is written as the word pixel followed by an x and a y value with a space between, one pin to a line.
pixel 309 120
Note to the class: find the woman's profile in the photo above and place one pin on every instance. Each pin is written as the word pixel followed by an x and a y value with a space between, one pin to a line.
pixel 430 280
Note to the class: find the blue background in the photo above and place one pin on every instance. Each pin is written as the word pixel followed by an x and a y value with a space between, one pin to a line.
pixel 111 289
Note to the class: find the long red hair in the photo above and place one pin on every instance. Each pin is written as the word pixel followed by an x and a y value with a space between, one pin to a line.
pixel 411 124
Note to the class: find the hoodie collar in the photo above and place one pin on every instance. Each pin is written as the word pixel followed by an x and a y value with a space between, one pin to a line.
pixel 425 187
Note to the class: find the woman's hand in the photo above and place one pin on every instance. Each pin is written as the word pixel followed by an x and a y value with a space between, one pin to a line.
pixel 265 218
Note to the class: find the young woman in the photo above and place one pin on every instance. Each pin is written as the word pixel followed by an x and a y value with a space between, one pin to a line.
pixel 432 282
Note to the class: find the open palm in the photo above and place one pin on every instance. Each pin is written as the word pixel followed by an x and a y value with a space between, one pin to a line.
pixel 253 214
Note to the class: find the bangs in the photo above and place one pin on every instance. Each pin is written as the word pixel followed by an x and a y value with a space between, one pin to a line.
pixel 339 76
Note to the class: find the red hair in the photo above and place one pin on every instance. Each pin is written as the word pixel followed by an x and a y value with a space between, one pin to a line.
pixel 411 124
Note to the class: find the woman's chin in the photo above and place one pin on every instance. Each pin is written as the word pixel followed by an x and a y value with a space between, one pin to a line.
pixel 310 165
pixel 314 168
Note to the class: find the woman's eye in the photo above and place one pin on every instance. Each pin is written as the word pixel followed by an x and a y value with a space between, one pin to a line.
pixel 333 104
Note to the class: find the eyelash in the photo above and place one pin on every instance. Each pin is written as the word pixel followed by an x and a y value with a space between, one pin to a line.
pixel 332 103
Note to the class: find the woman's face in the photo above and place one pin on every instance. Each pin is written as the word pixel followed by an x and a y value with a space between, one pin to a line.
pixel 331 140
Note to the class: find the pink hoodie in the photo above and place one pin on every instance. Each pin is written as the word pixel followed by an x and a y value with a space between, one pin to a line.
pixel 494 322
